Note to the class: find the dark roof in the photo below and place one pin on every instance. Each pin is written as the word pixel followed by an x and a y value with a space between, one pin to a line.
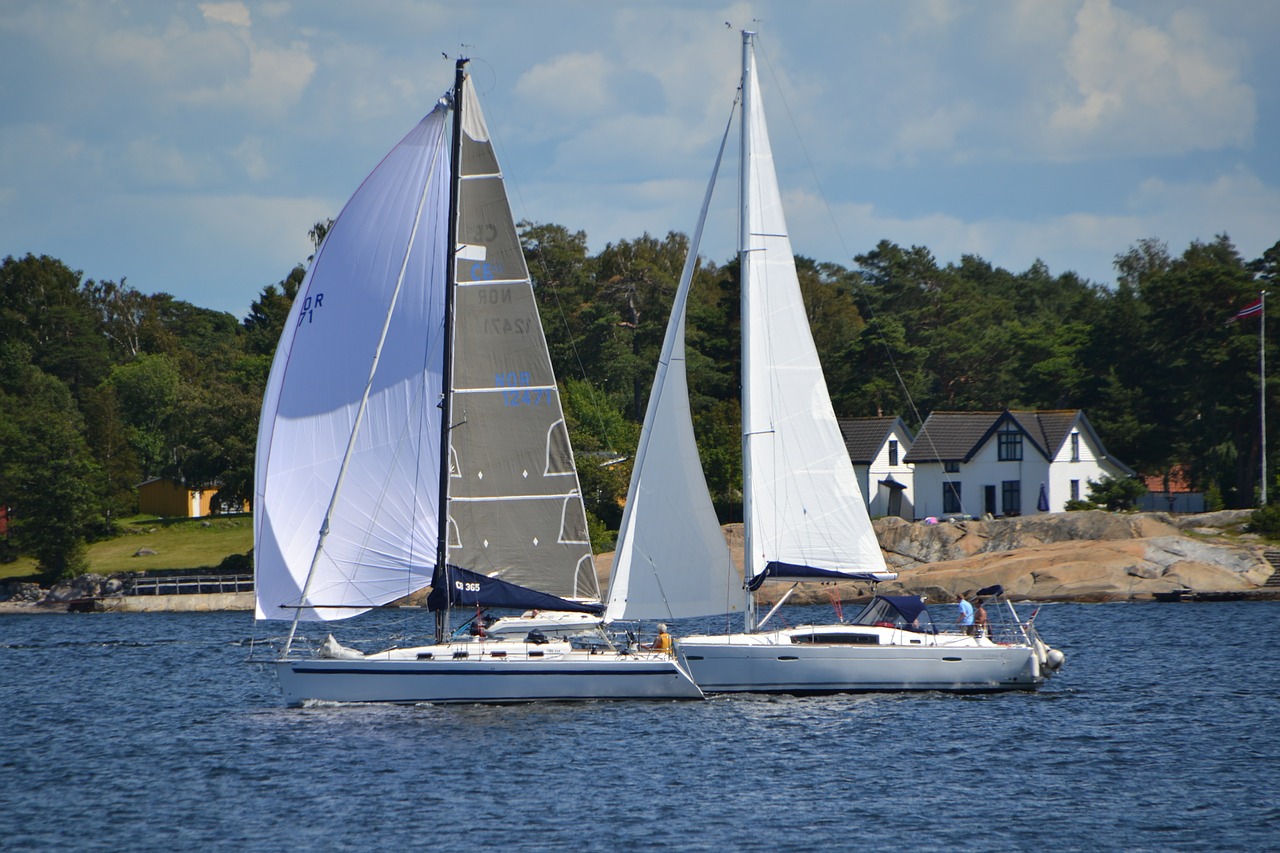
pixel 956 436
pixel 864 436
pixel 951 436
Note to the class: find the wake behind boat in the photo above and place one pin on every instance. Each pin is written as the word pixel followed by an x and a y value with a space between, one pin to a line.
pixel 804 517
pixel 412 436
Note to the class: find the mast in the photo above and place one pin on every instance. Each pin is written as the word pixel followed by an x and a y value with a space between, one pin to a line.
pixel 446 402
pixel 744 248
pixel 1262 396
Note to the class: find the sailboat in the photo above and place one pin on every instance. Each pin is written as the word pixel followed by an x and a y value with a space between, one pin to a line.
pixel 804 517
pixel 412 436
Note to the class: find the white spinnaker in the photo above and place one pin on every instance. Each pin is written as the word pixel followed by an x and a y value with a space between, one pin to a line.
pixel 672 560
pixel 805 506
pixel 387 245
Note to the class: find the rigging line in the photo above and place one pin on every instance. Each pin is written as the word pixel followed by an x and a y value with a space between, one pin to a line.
pixel 873 320
pixel 547 279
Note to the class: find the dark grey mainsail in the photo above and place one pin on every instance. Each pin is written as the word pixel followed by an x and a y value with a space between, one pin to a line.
pixel 515 508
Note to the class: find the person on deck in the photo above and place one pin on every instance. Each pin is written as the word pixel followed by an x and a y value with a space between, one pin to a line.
pixel 980 620
pixel 662 643
pixel 964 617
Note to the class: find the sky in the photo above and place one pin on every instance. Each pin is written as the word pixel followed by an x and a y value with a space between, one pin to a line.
pixel 189 147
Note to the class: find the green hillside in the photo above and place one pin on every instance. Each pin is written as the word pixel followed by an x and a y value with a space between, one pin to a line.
pixel 179 543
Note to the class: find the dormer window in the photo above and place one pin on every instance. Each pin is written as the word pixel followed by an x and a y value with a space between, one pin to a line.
pixel 1009 448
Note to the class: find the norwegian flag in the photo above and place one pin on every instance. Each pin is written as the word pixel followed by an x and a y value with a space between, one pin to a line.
pixel 1249 310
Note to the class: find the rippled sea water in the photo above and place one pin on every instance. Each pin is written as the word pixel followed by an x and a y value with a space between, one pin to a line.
pixel 155 732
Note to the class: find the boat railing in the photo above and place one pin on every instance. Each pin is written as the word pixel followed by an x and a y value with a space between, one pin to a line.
pixel 187 584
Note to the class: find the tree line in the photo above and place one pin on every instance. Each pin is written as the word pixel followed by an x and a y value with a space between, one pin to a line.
pixel 103 387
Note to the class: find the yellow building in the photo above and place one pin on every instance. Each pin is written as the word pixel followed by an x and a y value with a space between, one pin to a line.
pixel 171 499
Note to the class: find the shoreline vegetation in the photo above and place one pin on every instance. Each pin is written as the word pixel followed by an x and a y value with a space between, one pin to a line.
pixel 1090 556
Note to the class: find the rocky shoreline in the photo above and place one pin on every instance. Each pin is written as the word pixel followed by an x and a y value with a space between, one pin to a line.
pixel 1078 556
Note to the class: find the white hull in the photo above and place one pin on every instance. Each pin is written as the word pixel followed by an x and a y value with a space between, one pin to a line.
pixel 485 672
pixel 863 658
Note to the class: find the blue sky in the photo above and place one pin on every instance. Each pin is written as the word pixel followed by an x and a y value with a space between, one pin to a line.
pixel 189 147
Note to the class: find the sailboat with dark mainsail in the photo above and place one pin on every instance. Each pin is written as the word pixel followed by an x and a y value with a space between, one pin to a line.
pixel 804 516
pixel 412 435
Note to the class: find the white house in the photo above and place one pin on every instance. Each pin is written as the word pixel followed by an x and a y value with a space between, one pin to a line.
pixel 1006 463
pixel 878 448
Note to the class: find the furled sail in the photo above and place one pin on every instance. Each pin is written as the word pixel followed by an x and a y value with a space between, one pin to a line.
pixel 349 437
pixel 806 518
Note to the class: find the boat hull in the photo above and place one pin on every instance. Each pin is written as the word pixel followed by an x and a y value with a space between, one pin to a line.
pixel 771 663
pixel 578 675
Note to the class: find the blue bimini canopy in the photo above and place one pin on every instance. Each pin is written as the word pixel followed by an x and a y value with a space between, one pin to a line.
pixel 462 587
pixel 910 606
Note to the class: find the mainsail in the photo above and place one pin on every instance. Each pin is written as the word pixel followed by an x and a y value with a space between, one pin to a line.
pixel 515 510
pixel 805 517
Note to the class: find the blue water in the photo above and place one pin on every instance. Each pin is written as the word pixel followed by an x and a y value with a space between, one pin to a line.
pixel 153 732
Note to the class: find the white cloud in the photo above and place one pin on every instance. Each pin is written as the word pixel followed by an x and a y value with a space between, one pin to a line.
pixel 236 14
pixel 573 82
pixel 1134 87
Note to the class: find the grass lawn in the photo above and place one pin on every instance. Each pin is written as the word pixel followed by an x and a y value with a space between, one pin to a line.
pixel 179 543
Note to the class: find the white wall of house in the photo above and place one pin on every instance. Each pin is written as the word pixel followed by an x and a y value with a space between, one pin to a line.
pixel 881 468
pixel 986 469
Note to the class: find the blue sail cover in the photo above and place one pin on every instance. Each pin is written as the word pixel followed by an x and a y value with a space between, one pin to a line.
pixel 789 571
pixel 910 606
pixel 461 587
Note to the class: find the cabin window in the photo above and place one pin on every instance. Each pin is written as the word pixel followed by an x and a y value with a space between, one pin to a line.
pixel 951 467
pixel 1075 490
pixel 1075 447
pixel 1011 497
pixel 893 452
pixel 951 497
pixel 1010 446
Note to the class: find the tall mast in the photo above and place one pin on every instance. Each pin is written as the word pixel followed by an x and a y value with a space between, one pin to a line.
pixel 1262 395
pixel 744 248
pixel 441 574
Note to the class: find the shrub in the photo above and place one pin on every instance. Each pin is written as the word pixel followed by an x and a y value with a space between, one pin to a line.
pixel 1266 520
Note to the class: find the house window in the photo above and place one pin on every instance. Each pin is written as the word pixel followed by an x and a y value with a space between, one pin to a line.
pixel 1011 497
pixel 951 467
pixel 1010 447
pixel 1075 447
pixel 1075 490
pixel 893 452
pixel 951 497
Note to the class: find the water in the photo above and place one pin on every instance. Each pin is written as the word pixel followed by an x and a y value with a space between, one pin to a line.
pixel 152 732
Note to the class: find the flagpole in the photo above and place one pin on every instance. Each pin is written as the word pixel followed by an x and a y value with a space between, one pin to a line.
pixel 1262 396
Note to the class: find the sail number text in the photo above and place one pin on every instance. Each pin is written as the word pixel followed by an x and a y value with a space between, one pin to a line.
pixel 310 305
pixel 517 391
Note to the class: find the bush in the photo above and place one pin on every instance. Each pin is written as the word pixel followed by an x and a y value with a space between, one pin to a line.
pixel 1079 506
pixel 1266 520
pixel 1116 493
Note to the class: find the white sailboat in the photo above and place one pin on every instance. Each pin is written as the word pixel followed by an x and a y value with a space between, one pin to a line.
pixel 804 517
pixel 412 436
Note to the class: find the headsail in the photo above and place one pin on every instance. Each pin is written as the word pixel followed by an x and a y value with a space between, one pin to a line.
pixel 671 560
pixel 364 335
pixel 806 518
